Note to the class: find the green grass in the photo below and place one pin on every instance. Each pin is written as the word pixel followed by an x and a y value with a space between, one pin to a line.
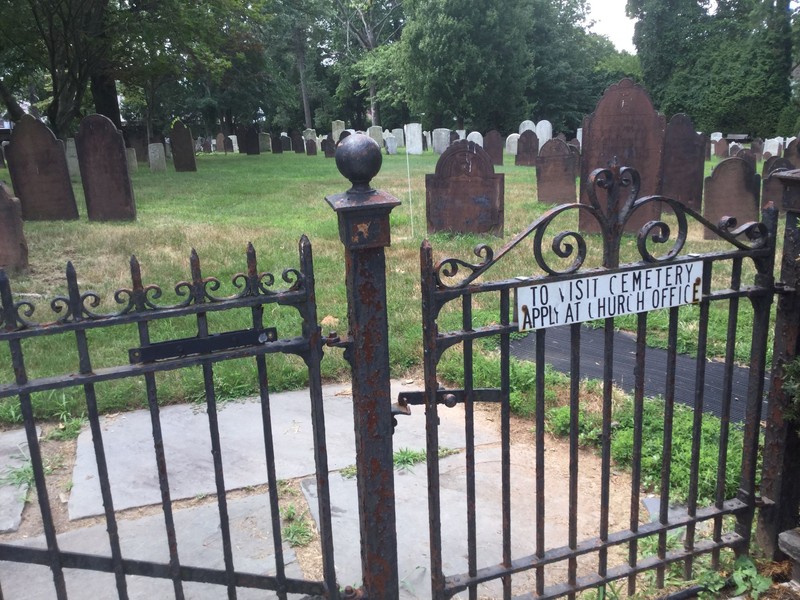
pixel 271 201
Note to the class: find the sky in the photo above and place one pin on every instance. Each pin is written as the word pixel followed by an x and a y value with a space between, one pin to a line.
pixel 610 20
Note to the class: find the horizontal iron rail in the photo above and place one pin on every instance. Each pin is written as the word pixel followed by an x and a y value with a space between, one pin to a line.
pixel 78 560
pixel 455 396
pixel 297 345
pixel 457 583
pixel 202 345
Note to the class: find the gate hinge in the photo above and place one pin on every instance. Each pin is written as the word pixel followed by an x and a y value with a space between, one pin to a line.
pixel 351 593
pixel 782 288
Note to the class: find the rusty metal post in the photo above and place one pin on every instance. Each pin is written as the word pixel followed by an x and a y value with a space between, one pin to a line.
pixel 365 232
pixel 779 478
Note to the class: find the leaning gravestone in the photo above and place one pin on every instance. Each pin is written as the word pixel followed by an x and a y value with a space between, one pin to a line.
pixel 104 170
pixel 38 167
pixel 399 136
pixel 527 149
pixel 721 148
pixel 476 137
pixel 337 127
pixel 772 187
pixel 465 195
pixel 414 138
pixel 182 148
pixel 298 145
pixel 625 128
pixel 311 147
pixel 792 152
pixel 264 142
pixel 684 162
pixel 526 125
pixel 544 131
pixel 732 190
pixel 73 164
pixel 376 133
pixel 441 140
pixel 221 143
pixel 555 173
pixel 252 147
pixel 157 158
pixel 391 144
pixel 512 144
pixel 133 163
pixel 13 247
pixel 493 144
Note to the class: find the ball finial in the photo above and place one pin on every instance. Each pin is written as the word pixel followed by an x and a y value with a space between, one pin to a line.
pixel 358 158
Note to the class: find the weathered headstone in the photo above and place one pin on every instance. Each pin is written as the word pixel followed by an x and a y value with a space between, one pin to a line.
pixel 575 142
pixel 544 131
pixel 465 195
pixel 252 147
pixel 182 148
pixel 579 137
pixel 733 149
pixel 684 162
pixel 337 127
pixel 773 146
pixel 721 148
pixel 311 147
pixel 133 162
pixel 766 156
pixel 264 142
pixel 329 147
pixel 792 152
pixel 73 164
pixel 227 144
pixel 527 149
pixel 286 143
pixel 748 155
pixel 476 137
pixel 426 141
pixel 13 247
pixel 623 127
pixel 772 187
pixel 512 144
pixel 757 147
pixel 376 133
pixel 157 158
pixel 38 167
pixel 732 190
pixel 277 143
pixel 493 144
pixel 555 173
pixel 221 143
pixel 298 145
pixel 413 134
pixel 561 136
pixel 391 144
pixel 441 140
pixel 526 125
pixel 104 170
pixel 309 134
pixel 399 136
pixel 206 146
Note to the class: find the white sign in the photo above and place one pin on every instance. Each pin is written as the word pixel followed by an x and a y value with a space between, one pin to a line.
pixel 611 295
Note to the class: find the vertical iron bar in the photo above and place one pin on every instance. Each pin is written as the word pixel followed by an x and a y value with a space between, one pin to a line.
pixel 469 431
pixel 574 432
pixel 505 436
pixel 605 467
pixel 636 458
pixel 540 466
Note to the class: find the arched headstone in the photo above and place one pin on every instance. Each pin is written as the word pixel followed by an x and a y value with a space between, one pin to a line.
pixel 544 131
pixel 512 144
pixel 493 144
pixel 555 173
pixel 413 134
pixel 221 142
pixel 311 147
pixel 182 148
pixel 792 152
pixel 731 190
pixel 527 149
pixel 337 127
pixel 476 137
pixel 441 140
pixel 772 187
pixel 684 162
pixel 721 148
pixel 526 125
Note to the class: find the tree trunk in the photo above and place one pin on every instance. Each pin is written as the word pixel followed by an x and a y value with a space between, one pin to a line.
pixel 300 57
pixel 104 93
pixel 373 104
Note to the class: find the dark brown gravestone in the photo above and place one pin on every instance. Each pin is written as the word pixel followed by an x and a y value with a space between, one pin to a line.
pixel 329 146
pixel 527 149
pixel 732 190
pixel 276 141
pixel 774 163
pixel 182 148
pixel 576 155
pixel 721 148
pixel 298 143
pixel 465 195
pixel 493 144
pixel 252 146
pixel 241 134
pixel 311 147
pixel 555 173
pixel 624 127
pixel 13 247
pixel 772 187
pixel 38 167
pixel 684 162
pixel 792 152
pixel 227 144
pixel 104 170
pixel 286 143
pixel 221 143
pixel 747 155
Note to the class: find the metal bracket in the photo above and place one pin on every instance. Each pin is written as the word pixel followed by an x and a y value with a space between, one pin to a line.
pixel 202 345
pixel 450 397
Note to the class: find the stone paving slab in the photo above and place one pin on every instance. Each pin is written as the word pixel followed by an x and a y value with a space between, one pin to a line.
pixel 129 451
pixel 13 455
pixel 199 544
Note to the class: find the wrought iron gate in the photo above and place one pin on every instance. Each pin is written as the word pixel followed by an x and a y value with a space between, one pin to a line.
pixel 452 285
pixel 75 314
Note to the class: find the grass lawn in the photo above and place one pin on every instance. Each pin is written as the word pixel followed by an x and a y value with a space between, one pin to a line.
pixel 269 200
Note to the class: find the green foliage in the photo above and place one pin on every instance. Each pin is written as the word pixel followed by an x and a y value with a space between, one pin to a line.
pixel 296 530
pixel 791 385
pixel 590 425
pixel 747 578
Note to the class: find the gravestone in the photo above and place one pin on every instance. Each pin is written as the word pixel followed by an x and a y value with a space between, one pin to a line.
pixel 772 187
pixel 413 135
pixel 277 143
pixel 73 164
pixel 721 148
pixel 38 168
pixel 579 137
pixel 623 127
pixel 207 146
pixel 227 144
pixel 465 195
pixel 311 147
pixel 454 137
pixel 104 170
pixel 376 133
pixel 252 147
pixel 792 152
pixel 329 147
pixel 221 143
pixel 476 137
pixel 168 148
pixel 555 173
pixel 286 143
pixel 133 163
pixel 157 158
pixel 526 125
pixel 400 137
pixel 264 142
pixel 298 145
pixel 512 144
pixel 391 144
pixel 493 144
pixel 766 156
pixel 441 140
pixel 309 134
pixel 733 149
pixel 684 162
pixel 241 139
pixel 773 146
pixel 576 156
pixel 235 143
pixel 182 148
pixel 731 190
pixel 544 131
pixel 527 149
pixel 13 246
pixel 337 127
pixel 716 136
pixel 748 155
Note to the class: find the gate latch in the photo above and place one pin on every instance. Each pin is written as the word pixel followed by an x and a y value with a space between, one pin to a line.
pixel 202 345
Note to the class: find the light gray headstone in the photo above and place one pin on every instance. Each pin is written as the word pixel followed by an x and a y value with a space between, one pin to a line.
pixel 398 133
pixel 544 131
pixel 477 137
pixel 772 146
pixel 413 138
pixel 579 135
pixel 235 142
pixel 526 125
pixel 158 161
pixel 73 166
pixel 441 140
pixel 716 136
pixel 376 133
pixel 309 134
pixel 337 127
pixel 511 143
pixel 391 144
pixel 133 164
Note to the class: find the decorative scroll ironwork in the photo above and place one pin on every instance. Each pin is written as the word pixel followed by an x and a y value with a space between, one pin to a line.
pixel 621 186
pixel 78 306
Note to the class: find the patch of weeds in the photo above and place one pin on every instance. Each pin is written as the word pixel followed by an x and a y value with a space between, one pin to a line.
pixel 590 425
pixel 69 426
pixel 296 529
pixel 10 412
pixel 348 472
pixel 405 458
pixel 747 578
pixel 19 476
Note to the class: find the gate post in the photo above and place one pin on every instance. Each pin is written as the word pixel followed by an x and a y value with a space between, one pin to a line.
pixel 781 465
pixel 364 230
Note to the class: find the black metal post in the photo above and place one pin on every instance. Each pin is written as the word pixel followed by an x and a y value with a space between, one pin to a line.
pixel 365 232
